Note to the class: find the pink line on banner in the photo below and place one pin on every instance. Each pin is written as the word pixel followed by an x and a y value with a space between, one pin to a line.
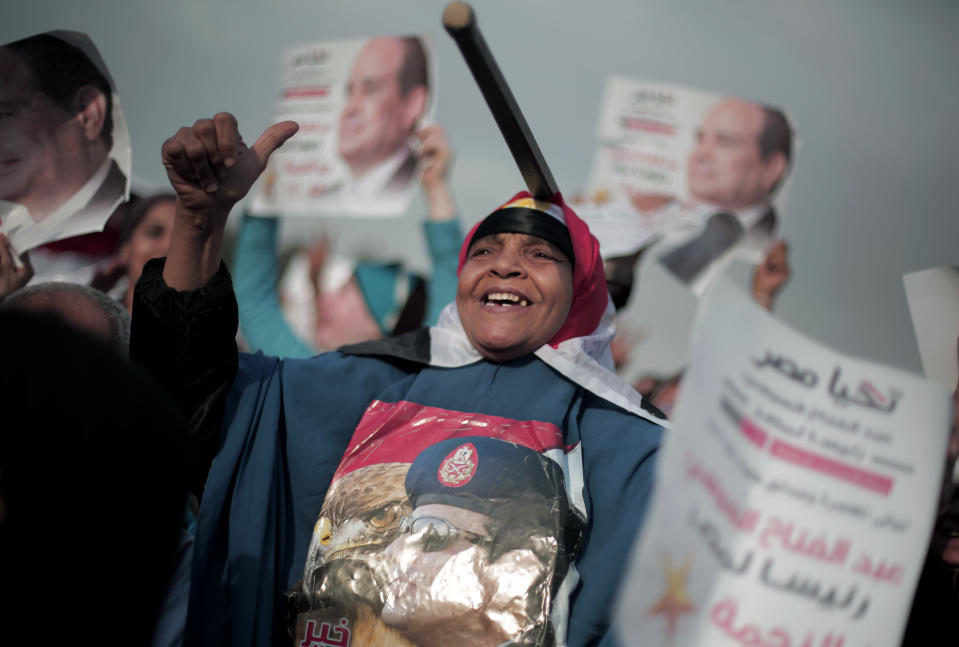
pixel 816 462
pixel 875 392
pixel 305 93
pixel 755 435
pixel 635 123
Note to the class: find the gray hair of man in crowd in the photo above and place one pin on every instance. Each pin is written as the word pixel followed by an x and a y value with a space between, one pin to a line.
pixel 78 305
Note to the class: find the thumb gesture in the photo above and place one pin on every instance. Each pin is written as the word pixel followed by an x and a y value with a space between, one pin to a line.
pixel 211 168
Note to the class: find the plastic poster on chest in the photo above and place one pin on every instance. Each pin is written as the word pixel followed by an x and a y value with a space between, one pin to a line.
pixel 359 104
pixel 442 527
pixel 794 497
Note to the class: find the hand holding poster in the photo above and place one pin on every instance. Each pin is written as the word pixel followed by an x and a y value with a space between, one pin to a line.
pixel 794 498
pixel 359 105
pixel 64 145
pixel 705 171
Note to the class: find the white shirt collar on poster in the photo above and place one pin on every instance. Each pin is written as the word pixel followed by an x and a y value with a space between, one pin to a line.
pixel 25 234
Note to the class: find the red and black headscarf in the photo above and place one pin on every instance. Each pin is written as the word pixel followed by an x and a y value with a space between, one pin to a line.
pixel 556 223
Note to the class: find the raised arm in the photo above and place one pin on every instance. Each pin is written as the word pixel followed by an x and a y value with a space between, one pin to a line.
pixel 443 231
pixel 254 279
pixel 437 161
pixel 184 311
pixel 211 169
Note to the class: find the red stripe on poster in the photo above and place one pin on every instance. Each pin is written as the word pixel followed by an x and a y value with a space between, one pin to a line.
pixel 396 432
pixel 306 93
pixel 755 435
pixel 816 462
pixel 635 123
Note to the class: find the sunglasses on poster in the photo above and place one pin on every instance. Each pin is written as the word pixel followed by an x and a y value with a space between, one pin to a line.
pixel 436 533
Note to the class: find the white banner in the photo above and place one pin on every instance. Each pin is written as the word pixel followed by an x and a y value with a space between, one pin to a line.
pixel 794 497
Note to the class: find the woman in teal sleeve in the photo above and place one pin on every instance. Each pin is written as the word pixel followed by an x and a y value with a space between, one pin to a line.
pixel 378 300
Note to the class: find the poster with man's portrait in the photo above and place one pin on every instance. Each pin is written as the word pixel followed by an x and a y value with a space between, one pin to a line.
pixel 359 104
pixel 705 174
pixel 64 144
pixel 441 525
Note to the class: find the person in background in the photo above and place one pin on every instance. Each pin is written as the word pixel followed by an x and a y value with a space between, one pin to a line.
pixel 93 474
pixel 94 313
pixel 365 305
pixel 145 235
pixel 78 305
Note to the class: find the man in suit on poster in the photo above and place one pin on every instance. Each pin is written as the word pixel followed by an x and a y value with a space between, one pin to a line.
pixel 387 93
pixel 742 154
pixel 56 132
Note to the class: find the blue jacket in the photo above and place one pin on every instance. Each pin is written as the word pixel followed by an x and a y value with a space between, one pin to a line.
pixel 286 424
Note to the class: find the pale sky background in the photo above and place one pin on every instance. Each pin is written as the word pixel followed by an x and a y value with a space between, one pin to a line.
pixel 871 85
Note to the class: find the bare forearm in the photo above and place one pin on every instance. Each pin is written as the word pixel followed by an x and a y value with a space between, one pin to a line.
pixel 211 169
pixel 194 255
pixel 439 200
pixel 437 159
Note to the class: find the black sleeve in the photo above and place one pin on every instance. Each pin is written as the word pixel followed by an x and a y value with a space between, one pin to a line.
pixel 188 340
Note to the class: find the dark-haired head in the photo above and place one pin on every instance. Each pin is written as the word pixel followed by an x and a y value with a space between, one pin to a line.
pixel 414 71
pixel 60 70
pixel 138 210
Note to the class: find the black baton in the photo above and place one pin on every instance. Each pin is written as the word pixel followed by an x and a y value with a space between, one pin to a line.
pixel 460 22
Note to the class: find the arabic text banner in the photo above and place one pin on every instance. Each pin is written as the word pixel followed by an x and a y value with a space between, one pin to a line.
pixel 794 497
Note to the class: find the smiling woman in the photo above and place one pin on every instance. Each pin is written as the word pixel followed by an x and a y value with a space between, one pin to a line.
pixel 514 293
pixel 314 452
pixel 541 245
pixel 145 235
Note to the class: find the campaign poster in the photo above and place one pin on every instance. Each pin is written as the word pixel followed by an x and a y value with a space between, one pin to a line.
pixel 795 495
pixel 359 104
pixel 703 174
pixel 443 525
pixel 64 144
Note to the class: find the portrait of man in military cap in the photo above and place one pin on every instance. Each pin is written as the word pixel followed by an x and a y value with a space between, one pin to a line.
pixel 483 548
pixel 467 543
